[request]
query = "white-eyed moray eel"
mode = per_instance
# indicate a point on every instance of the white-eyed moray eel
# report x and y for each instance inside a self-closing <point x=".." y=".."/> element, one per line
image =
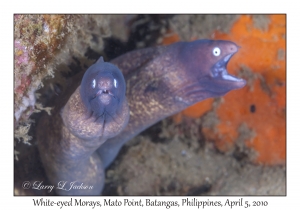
<point x="91" y="122"/>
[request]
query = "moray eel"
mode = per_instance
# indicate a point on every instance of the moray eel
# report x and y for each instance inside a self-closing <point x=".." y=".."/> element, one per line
<point x="95" y="112"/>
<point x="78" y="142"/>
<point x="164" y="80"/>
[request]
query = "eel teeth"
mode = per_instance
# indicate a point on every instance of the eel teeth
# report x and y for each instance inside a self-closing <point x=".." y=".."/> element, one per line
<point x="219" y="70"/>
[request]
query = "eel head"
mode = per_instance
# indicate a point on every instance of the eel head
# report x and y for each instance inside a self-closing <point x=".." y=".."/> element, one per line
<point x="203" y="69"/>
<point x="103" y="90"/>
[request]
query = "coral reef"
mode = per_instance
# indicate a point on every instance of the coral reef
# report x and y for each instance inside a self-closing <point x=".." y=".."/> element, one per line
<point x="246" y="126"/>
<point x="42" y="44"/>
<point x="37" y="39"/>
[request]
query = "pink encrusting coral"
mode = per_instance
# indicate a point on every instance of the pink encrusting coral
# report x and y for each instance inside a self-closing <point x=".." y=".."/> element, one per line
<point x="23" y="81"/>
<point x="39" y="43"/>
<point x="21" y="54"/>
<point x="42" y="43"/>
<point x="36" y="41"/>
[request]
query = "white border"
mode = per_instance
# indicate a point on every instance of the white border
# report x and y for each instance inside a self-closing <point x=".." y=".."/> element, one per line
<point x="154" y="6"/>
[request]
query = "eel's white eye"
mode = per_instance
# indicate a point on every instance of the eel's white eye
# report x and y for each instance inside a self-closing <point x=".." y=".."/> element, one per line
<point x="115" y="83"/>
<point x="216" y="51"/>
<point x="94" y="83"/>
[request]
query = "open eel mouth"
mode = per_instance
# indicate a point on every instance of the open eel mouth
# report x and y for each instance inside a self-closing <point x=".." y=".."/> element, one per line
<point x="104" y="95"/>
<point x="219" y="71"/>
<point x="104" y="91"/>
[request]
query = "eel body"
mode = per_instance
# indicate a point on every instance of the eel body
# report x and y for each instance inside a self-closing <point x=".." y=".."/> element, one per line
<point x="95" y="112"/>
<point x="89" y="126"/>
<point x="164" y="80"/>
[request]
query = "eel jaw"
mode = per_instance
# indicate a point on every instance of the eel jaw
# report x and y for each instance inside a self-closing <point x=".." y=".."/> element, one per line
<point x="219" y="71"/>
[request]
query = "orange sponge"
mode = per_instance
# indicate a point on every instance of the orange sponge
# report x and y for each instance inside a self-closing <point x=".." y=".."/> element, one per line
<point x="261" y="105"/>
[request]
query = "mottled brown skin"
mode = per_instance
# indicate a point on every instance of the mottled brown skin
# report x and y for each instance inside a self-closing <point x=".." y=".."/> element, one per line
<point x="67" y="147"/>
<point x="160" y="82"/>
<point x="164" y="80"/>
